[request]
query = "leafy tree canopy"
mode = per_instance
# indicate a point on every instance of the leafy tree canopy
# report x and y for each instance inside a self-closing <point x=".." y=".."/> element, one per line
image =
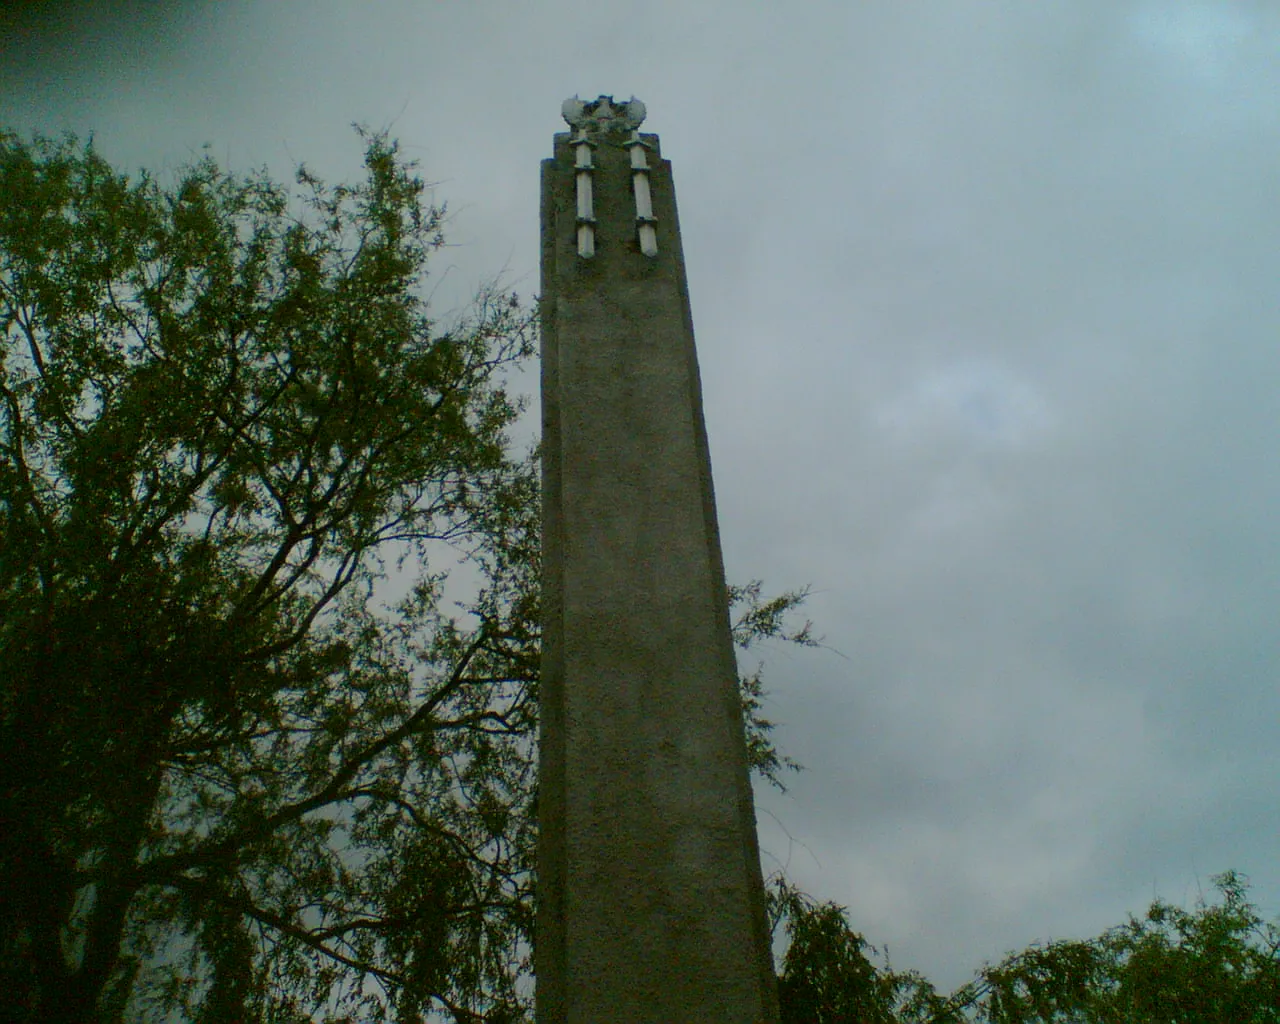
<point x="217" y="415"/>
<point x="234" y="786"/>
<point x="1218" y="963"/>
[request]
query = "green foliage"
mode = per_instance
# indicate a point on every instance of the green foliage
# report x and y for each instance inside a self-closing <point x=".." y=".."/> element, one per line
<point x="765" y="619"/>
<point x="1216" y="964"/>
<point x="826" y="976"/>
<point x="234" y="787"/>
<point x="215" y="415"/>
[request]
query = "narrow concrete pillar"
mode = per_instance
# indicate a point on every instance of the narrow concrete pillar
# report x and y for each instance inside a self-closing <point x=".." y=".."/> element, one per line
<point x="650" y="898"/>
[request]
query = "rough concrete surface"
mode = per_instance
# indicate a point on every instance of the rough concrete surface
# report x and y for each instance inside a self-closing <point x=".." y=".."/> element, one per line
<point x="650" y="899"/>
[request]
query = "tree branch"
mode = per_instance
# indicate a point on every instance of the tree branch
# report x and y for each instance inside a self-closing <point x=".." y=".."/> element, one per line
<point x="168" y="866"/>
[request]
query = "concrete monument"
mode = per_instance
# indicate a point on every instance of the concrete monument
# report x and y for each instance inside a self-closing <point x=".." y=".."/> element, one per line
<point x="650" y="898"/>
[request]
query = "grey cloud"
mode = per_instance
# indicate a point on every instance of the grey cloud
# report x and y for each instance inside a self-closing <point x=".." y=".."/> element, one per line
<point x="985" y="306"/>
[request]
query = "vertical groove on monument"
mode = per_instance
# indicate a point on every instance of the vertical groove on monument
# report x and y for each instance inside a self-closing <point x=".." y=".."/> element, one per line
<point x="650" y="898"/>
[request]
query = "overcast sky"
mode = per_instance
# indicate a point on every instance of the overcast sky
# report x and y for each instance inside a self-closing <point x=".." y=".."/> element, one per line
<point x="986" y="306"/>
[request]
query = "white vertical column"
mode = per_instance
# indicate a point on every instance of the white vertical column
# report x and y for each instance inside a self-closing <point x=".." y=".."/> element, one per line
<point x="645" y="220"/>
<point x="586" y="212"/>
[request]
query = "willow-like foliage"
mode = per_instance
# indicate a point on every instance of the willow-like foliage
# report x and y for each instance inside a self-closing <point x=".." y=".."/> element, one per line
<point x="235" y="786"/>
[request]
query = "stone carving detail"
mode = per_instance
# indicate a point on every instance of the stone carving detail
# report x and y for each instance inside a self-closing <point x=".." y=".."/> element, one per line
<point x="599" y="117"/>
<point x="586" y="211"/>
<point x="645" y="220"/>
<point x="603" y="114"/>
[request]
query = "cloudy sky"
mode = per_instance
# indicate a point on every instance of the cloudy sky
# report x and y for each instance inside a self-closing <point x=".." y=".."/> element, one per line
<point x="986" y="302"/>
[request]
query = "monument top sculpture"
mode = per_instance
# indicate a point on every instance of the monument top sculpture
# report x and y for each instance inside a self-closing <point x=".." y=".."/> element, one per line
<point x="602" y="113"/>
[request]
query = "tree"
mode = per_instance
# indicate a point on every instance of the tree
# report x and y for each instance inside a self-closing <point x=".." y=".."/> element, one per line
<point x="826" y="976"/>
<point x="235" y="788"/>
<point x="1216" y="964"/>
<point x="216" y="419"/>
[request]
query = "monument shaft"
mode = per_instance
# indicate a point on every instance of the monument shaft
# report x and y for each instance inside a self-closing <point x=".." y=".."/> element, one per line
<point x="650" y="899"/>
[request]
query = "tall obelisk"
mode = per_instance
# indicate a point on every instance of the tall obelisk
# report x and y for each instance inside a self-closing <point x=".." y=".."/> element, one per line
<point x="650" y="898"/>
